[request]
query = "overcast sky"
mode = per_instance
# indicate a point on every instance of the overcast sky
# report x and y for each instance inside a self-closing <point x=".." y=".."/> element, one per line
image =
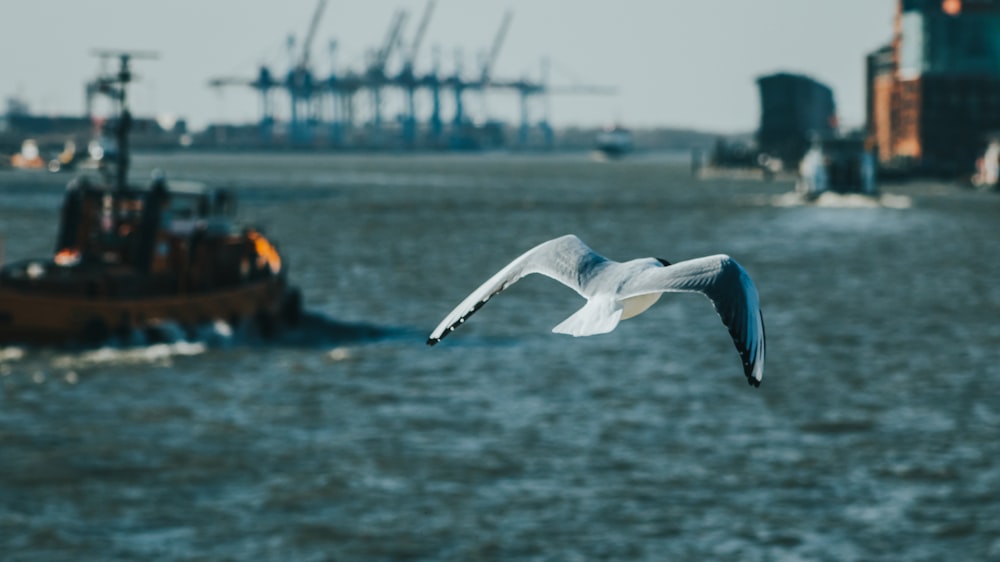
<point x="675" y="63"/>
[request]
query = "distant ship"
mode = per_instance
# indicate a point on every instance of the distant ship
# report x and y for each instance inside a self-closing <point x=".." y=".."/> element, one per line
<point x="614" y="141"/>
<point x="32" y="157"/>
<point x="838" y="165"/>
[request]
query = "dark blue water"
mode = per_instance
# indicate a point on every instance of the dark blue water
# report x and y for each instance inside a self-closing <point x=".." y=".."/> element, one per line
<point x="873" y="437"/>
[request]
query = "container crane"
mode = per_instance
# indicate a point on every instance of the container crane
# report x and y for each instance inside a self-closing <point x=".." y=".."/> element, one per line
<point x="486" y="71"/>
<point x="528" y="90"/>
<point x="265" y="84"/>
<point x="375" y="74"/>
<point x="301" y="84"/>
<point x="309" y="94"/>
<point x="434" y="82"/>
<point x="343" y="88"/>
<point x="490" y="59"/>
<point x="338" y="108"/>
<point x="311" y="34"/>
<point x="485" y="77"/>
<point x="458" y="86"/>
<point x="408" y="79"/>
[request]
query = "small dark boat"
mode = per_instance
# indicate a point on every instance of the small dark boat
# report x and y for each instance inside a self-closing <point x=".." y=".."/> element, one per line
<point x="131" y="258"/>
<point x="614" y="141"/>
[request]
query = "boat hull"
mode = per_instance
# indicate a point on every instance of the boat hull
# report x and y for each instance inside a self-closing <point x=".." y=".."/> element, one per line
<point x="27" y="317"/>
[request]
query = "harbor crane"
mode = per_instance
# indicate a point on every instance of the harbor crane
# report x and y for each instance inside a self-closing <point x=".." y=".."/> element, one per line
<point x="264" y="84"/>
<point x="302" y="86"/>
<point x="375" y="73"/>
<point x="299" y="82"/>
<point x="459" y="85"/>
<point x="433" y="81"/>
<point x="486" y="70"/>
<point x="310" y="93"/>
<point x="529" y="90"/>
<point x="408" y="78"/>
<point x="489" y="59"/>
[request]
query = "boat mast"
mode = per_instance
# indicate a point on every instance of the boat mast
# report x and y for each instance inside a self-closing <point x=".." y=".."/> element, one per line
<point x="116" y="87"/>
<point x="124" y="123"/>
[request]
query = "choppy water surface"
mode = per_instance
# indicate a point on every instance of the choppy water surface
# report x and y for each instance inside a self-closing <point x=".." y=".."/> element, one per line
<point x="873" y="437"/>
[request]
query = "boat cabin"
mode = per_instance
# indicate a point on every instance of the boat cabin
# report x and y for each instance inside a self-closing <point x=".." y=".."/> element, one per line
<point x="147" y="242"/>
<point x="129" y="258"/>
<point x="840" y="165"/>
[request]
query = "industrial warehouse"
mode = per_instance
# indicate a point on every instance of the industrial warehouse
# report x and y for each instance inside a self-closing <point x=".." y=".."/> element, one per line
<point x="933" y="92"/>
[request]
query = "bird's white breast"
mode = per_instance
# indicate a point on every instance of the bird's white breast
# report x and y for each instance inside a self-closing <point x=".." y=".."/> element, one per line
<point x="637" y="305"/>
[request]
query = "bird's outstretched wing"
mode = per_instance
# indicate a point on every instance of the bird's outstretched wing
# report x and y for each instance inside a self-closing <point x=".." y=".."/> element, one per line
<point x="566" y="259"/>
<point x="729" y="287"/>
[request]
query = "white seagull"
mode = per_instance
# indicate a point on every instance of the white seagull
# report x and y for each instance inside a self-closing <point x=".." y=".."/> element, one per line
<point x="618" y="291"/>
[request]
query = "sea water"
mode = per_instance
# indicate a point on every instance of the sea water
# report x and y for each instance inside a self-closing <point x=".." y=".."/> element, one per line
<point x="874" y="435"/>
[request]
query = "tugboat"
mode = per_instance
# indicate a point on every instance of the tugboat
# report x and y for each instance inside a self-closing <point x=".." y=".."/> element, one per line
<point x="131" y="258"/>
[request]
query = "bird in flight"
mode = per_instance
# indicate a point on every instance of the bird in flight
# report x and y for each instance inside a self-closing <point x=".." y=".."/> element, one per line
<point x="616" y="291"/>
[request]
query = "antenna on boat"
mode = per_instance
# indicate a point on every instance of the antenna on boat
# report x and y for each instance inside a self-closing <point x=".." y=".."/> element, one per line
<point x="115" y="86"/>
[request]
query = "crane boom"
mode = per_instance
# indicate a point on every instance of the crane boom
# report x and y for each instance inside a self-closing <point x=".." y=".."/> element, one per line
<point x="118" y="53"/>
<point x="497" y="44"/>
<point x="230" y="81"/>
<point x="391" y="40"/>
<point x="582" y="89"/>
<point x="419" y="37"/>
<point x="307" y="44"/>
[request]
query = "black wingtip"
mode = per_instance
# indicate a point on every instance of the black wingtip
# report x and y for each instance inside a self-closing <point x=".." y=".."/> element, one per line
<point x="753" y="382"/>
<point x="432" y="341"/>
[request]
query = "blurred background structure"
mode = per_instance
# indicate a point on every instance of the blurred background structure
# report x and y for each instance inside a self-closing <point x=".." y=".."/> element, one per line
<point x="933" y="95"/>
<point x="929" y="98"/>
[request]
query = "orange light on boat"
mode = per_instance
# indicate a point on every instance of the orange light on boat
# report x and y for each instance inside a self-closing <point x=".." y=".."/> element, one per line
<point x="952" y="7"/>
<point x="67" y="257"/>
<point x="266" y="251"/>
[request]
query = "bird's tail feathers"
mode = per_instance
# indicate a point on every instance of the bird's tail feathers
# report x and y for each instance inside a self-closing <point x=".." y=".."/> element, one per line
<point x="598" y="316"/>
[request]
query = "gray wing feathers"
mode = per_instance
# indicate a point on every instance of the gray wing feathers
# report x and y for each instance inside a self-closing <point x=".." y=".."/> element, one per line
<point x="732" y="292"/>
<point x="566" y="259"/>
